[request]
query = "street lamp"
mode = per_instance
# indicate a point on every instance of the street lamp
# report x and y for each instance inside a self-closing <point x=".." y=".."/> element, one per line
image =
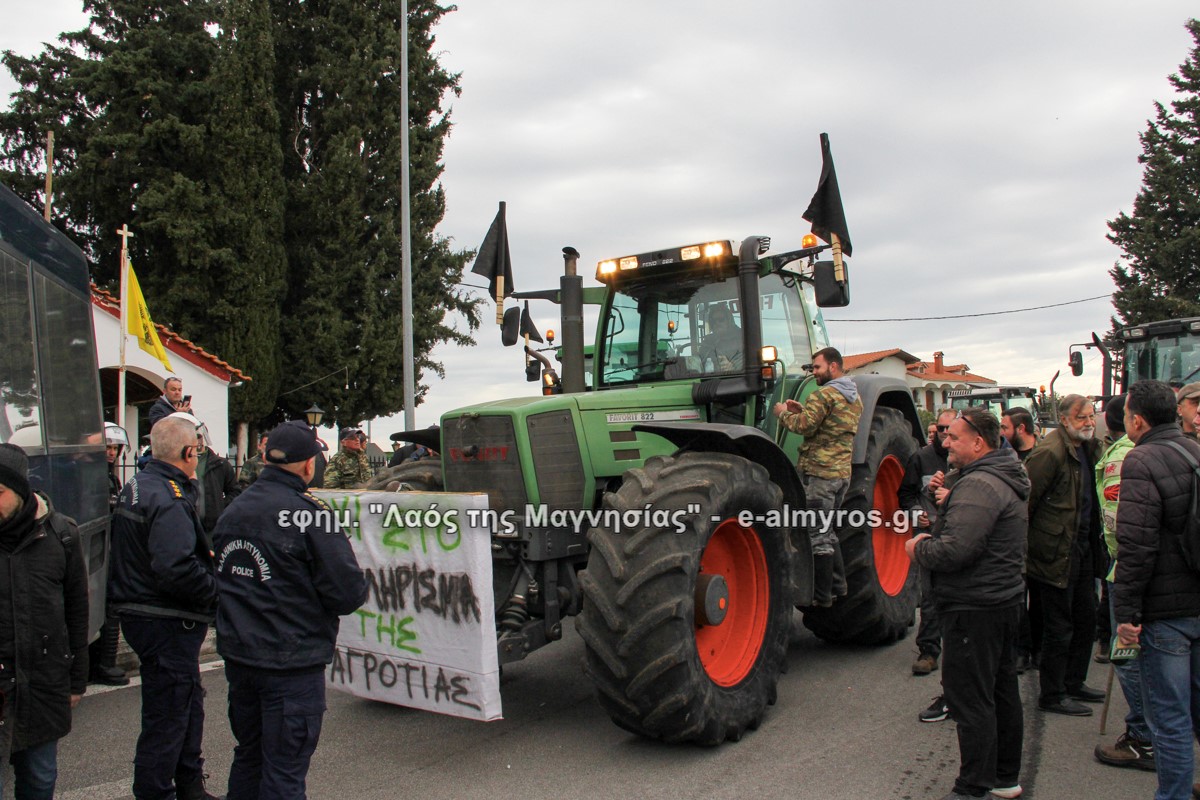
<point x="314" y="415"/>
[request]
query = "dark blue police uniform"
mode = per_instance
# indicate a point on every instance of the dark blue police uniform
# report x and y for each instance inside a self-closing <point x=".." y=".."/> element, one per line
<point x="162" y="586"/>
<point x="284" y="576"/>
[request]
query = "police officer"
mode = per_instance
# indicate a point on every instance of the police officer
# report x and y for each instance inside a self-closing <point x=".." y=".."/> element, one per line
<point x="285" y="573"/>
<point x="161" y="583"/>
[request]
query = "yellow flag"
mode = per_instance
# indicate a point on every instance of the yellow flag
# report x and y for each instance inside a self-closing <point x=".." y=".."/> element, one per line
<point x="139" y="323"/>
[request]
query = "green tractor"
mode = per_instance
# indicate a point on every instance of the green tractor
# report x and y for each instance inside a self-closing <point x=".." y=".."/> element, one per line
<point x="1165" y="350"/>
<point x="659" y="503"/>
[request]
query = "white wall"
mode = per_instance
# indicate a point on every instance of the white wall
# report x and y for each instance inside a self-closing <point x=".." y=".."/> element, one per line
<point x="210" y="394"/>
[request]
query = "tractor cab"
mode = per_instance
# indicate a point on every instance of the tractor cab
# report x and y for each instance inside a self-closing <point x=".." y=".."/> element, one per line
<point x="1167" y="351"/>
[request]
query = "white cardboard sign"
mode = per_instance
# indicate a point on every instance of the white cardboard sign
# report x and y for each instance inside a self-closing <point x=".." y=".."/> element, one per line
<point x="426" y="636"/>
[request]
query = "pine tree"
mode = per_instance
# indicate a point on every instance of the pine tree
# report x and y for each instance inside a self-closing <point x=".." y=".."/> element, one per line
<point x="1159" y="276"/>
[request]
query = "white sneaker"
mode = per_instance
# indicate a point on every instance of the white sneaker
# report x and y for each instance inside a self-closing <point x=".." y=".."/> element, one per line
<point x="1007" y="792"/>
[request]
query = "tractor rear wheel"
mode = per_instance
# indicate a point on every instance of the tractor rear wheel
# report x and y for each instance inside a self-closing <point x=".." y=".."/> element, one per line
<point x="418" y="476"/>
<point x="882" y="594"/>
<point x="686" y="628"/>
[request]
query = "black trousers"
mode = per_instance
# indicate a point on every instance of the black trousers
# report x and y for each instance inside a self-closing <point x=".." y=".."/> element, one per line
<point x="168" y="749"/>
<point x="929" y="633"/>
<point x="979" y="680"/>
<point x="1068" y="629"/>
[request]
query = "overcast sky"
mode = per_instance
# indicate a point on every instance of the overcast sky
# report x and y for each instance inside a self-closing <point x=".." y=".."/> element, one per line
<point x="980" y="147"/>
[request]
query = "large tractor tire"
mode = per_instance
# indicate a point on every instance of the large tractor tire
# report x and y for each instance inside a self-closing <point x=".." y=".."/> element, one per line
<point x="411" y="476"/>
<point x="686" y="630"/>
<point x="883" y="585"/>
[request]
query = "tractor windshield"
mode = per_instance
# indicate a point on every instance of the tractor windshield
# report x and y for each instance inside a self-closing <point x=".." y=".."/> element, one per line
<point x="1167" y="358"/>
<point x="679" y="331"/>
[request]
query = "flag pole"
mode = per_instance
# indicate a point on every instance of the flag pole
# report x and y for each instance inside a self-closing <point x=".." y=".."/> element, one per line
<point x="49" y="175"/>
<point x="125" y="235"/>
<point x="839" y="271"/>
<point x="501" y="252"/>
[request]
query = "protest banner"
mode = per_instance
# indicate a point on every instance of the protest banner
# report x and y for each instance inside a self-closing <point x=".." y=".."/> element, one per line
<point x="426" y="637"/>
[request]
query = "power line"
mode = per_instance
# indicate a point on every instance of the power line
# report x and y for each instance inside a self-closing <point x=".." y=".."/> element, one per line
<point x="982" y="314"/>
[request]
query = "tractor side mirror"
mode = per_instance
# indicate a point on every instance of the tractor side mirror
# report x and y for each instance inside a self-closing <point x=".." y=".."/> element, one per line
<point x="830" y="293"/>
<point x="533" y="372"/>
<point x="510" y="329"/>
<point x="1076" y="362"/>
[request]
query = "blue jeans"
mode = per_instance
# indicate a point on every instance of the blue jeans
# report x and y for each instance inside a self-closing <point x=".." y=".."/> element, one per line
<point x="1129" y="675"/>
<point x="1171" y="698"/>
<point x="36" y="770"/>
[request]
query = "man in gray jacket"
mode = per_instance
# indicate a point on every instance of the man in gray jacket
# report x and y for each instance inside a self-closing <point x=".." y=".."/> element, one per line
<point x="976" y="554"/>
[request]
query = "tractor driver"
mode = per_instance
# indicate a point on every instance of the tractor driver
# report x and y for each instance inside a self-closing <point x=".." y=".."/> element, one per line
<point x="723" y="344"/>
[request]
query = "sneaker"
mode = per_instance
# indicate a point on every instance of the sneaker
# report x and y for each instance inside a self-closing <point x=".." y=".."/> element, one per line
<point x="937" y="711"/>
<point x="925" y="664"/>
<point x="1008" y="792"/>
<point x="1127" y="751"/>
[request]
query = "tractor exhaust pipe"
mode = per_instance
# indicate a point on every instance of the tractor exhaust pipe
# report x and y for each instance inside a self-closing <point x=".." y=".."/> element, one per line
<point x="571" y="299"/>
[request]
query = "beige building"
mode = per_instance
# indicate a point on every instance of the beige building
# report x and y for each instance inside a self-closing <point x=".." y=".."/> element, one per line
<point x="930" y="382"/>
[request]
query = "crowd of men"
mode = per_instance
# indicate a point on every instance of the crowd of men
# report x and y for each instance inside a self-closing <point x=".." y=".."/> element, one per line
<point x="1015" y="532"/>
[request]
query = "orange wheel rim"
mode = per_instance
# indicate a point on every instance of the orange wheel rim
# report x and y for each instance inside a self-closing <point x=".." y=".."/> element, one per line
<point x="891" y="562"/>
<point x="728" y="651"/>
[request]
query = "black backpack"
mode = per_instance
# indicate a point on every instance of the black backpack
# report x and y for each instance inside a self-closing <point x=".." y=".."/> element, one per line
<point x="1189" y="537"/>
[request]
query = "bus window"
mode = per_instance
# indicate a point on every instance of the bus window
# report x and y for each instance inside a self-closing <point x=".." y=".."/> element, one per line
<point x="20" y="418"/>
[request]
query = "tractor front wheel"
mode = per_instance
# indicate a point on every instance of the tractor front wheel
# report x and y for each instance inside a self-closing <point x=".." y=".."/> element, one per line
<point x="685" y="615"/>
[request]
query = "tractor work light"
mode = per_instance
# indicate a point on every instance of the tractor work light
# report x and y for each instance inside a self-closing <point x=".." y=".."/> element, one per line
<point x="610" y="269"/>
<point x="1135" y="333"/>
<point x="769" y="354"/>
<point x="1194" y="326"/>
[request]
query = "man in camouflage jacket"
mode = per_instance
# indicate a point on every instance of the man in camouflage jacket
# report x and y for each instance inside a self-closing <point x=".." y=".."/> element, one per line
<point x="251" y="467"/>
<point x="348" y="468"/>
<point x="827" y="420"/>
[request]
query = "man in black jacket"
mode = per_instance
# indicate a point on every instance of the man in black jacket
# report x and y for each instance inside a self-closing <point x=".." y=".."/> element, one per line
<point x="285" y="574"/>
<point x="976" y="554"/>
<point x="161" y="583"/>
<point x="1156" y="595"/>
<point x="43" y="628"/>
<point x="172" y="400"/>
<point x="923" y="474"/>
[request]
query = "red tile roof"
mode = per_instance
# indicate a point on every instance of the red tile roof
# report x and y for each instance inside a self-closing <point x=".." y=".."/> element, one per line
<point x="862" y="359"/>
<point x="188" y="350"/>
<point x="950" y="372"/>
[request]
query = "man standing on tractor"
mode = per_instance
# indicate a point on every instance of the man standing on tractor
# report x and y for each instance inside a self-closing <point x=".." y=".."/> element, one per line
<point x="828" y="421"/>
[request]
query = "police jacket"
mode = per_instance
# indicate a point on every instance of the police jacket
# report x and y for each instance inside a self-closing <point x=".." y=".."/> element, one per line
<point x="160" y="564"/>
<point x="1057" y="483"/>
<point x="978" y="545"/>
<point x="285" y="573"/>
<point x="43" y="625"/>
<point x="1152" y="579"/>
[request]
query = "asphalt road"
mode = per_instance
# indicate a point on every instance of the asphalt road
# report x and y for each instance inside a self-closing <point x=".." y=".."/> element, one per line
<point x="845" y="727"/>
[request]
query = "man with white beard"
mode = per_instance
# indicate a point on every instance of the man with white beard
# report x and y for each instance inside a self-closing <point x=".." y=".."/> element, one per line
<point x="1065" y="555"/>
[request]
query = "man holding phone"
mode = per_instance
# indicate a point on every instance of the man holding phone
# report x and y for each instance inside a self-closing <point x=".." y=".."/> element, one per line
<point x="172" y="400"/>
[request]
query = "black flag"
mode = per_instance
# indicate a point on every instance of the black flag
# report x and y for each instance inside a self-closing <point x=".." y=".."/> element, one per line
<point x="527" y="326"/>
<point x="493" y="259"/>
<point x="825" y="211"/>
